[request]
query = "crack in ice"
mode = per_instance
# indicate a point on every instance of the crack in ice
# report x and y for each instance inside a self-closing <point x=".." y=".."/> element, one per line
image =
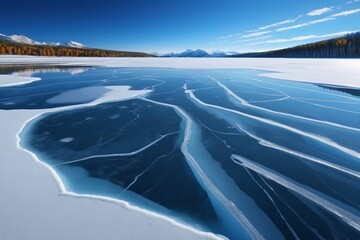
<point x="273" y="202"/>
<point x="143" y="172"/>
<point x="313" y="230"/>
<point x="301" y="155"/>
<point x="318" y="138"/>
<point x="329" y="107"/>
<point x="350" y="216"/>
<point x="116" y="154"/>
<point x="230" y="206"/>
<point x="245" y="103"/>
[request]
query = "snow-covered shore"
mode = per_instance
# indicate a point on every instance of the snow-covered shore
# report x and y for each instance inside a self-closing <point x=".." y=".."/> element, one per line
<point x="344" y="72"/>
<point x="35" y="204"/>
<point x="10" y="80"/>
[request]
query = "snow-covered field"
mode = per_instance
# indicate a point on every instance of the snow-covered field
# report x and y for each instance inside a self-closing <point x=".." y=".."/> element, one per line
<point x="345" y="72"/>
<point x="34" y="203"/>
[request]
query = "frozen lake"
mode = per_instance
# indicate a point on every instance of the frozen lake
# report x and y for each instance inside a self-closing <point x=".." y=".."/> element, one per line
<point x="229" y="151"/>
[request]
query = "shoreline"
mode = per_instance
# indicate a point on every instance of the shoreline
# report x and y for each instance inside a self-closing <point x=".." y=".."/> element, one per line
<point x="154" y="224"/>
<point x="15" y="80"/>
<point x="339" y="72"/>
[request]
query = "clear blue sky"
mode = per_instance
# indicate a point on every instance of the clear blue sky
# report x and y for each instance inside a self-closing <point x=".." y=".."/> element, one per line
<point x="176" y="25"/>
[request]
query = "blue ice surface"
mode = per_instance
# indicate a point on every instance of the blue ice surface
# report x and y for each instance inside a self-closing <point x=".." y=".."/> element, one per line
<point x="305" y="132"/>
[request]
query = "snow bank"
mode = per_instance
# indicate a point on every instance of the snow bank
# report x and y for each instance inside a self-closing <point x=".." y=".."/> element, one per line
<point x="344" y="72"/>
<point x="78" y="95"/>
<point x="10" y="80"/>
<point x="35" y="204"/>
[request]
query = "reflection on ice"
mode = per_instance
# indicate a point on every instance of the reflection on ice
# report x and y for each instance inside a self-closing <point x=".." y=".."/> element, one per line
<point x="28" y="71"/>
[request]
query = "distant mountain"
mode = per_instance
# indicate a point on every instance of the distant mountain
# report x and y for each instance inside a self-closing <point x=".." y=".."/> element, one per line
<point x="198" y="53"/>
<point x="73" y="44"/>
<point x="21" y="45"/>
<point x="66" y="44"/>
<point x="19" y="39"/>
<point x="223" y="53"/>
<point x="347" y="46"/>
<point x="187" y="53"/>
<point x="25" y="40"/>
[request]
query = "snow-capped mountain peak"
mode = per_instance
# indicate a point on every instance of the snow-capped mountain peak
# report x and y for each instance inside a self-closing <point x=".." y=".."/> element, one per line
<point x="25" y="40"/>
<point x="19" y="39"/>
<point x="192" y="53"/>
<point x="73" y="44"/>
<point x="198" y="53"/>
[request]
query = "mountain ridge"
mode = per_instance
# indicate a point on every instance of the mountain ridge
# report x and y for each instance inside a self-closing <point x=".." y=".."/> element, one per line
<point x="347" y="46"/>
<point x="26" y="40"/>
<point x="198" y="53"/>
<point x="14" y="48"/>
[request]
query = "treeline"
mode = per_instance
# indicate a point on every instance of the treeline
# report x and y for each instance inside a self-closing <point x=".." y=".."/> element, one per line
<point x="11" y="48"/>
<point x="347" y="46"/>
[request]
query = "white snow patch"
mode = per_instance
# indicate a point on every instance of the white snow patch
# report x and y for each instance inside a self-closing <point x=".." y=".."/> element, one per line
<point x="66" y="140"/>
<point x="107" y="93"/>
<point x="11" y="80"/>
<point x="114" y="116"/>
<point x="79" y="95"/>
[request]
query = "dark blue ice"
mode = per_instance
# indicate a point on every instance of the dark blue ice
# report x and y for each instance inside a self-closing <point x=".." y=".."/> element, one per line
<point x="225" y="151"/>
